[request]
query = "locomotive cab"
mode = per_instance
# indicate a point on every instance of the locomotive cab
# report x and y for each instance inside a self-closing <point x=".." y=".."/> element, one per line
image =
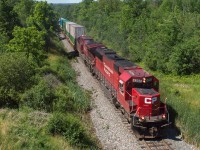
<point x="151" y="113"/>
<point x="141" y="94"/>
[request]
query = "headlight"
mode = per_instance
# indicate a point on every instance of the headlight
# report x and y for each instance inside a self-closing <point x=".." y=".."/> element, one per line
<point x="164" y="116"/>
<point x="144" y="80"/>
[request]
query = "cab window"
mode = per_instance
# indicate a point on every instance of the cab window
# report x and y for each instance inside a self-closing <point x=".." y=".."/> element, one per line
<point x="121" y="86"/>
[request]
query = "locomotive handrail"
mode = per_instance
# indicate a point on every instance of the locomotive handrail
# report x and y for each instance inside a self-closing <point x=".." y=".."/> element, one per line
<point x="129" y="94"/>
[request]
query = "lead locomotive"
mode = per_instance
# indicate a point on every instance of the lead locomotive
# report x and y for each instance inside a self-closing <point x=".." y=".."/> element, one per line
<point x="133" y="89"/>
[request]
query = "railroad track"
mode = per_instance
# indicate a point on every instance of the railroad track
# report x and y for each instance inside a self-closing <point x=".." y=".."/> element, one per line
<point x="155" y="145"/>
<point x="145" y="144"/>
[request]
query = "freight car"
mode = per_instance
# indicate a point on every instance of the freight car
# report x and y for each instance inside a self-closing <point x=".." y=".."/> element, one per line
<point x="71" y="30"/>
<point x="133" y="90"/>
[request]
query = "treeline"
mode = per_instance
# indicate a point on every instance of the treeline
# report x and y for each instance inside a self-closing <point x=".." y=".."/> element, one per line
<point x="41" y="104"/>
<point x="164" y="34"/>
<point x="25" y="27"/>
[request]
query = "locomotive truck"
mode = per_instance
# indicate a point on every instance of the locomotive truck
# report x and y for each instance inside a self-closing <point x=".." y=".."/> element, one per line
<point x="133" y="90"/>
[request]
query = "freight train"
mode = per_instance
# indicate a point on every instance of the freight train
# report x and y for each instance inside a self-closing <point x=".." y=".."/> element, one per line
<point x="133" y="90"/>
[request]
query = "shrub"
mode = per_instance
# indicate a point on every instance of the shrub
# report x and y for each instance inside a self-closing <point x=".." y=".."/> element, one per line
<point x="70" y="127"/>
<point x="65" y="100"/>
<point x="39" y="97"/>
<point x="16" y="75"/>
<point x="63" y="69"/>
<point x="71" y="98"/>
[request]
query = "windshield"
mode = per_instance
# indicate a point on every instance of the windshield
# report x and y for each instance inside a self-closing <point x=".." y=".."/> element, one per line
<point x="143" y="85"/>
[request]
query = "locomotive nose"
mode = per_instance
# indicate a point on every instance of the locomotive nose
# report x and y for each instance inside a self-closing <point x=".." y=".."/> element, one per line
<point x="148" y="101"/>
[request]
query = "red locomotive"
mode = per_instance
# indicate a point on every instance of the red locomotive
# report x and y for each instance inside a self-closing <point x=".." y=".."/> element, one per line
<point x="132" y="88"/>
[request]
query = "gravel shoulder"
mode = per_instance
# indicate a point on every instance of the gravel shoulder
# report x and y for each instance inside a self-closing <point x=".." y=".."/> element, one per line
<point x="109" y="127"/>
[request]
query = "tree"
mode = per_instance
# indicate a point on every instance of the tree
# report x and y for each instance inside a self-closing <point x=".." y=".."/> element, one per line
<point x="185" y="59"/>
<point x="16" y="75"/>
<point x="8" y="18"/>
<point x="24" y="9"/>
<point x="3" y="41"/>
<point x="43" y="17"/>
<point x="28" y="40"/>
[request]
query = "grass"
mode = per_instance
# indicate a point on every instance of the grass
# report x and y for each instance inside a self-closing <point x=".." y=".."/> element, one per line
<point x="26" y="130"/>
<point x="32" y="128"/>
<point x="183" y="100"/>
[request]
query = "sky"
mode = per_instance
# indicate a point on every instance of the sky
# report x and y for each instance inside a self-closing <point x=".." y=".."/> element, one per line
<point x="62" y="1"/>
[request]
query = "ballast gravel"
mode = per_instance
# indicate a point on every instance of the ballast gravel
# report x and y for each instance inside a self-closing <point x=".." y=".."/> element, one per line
<point x="109" y="127"/>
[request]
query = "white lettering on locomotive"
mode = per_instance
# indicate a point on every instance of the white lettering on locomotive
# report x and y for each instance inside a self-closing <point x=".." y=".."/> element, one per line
<point x="137" y="80"/>
<point x="107" y="69"/>
<point x="148" y="100"/>
<point x="107" y="72"/>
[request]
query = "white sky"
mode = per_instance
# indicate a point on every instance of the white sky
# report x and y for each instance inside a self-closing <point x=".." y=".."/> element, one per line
<point x="62" y="1"/>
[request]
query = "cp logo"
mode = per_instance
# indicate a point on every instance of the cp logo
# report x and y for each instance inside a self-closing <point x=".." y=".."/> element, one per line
<point x="150" y="100"/>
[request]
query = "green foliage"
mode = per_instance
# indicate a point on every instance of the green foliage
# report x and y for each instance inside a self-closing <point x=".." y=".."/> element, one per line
<point x="28" y="40"/>
<point x="71" y="98"/>
<point x="16" y="75"/>
<point x="43" y="17"/>
<point x="153" y="32"/>
<point x="3" y="41"/>
<point x="39" y="97"/>
<point x="71" y="128"/>
<point x="64" y="72"/>
<point x="25" y="131"/>
<point x="24" y="8"/>
<point x="185" y="59"/>
<point x="8" y="18"/>
<point x="29" y="81"/>
<point x="184" y="104"/>
<point x="65" y="100"/>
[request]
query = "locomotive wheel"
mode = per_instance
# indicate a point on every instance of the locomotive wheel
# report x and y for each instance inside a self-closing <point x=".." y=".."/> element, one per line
<point x="122" y="111"/>
<point x="132" y="122"/>
<point x="115" y="103"/>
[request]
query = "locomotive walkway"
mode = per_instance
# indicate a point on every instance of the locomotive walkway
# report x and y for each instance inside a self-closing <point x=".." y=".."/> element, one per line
<point x="108" y="124"/>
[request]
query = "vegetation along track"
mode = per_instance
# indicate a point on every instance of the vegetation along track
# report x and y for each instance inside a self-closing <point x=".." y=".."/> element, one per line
<point x="110" y="132"/>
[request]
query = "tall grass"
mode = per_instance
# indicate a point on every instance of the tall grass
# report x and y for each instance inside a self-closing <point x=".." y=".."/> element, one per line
<point x="183" y="99"/>
<point x="25" y="130"/>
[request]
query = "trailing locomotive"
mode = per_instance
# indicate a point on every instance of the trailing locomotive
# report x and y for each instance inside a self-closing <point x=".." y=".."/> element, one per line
<point x="133" y="90"/>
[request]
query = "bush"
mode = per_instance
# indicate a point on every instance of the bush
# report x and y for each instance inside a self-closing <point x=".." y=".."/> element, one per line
<point x="70" y="127"/>
<point x="65" y="100"/>
<point x="16" y="75"/>
<point x="20" y="131"/>
<point x="63" y="69"/>
<point x="71" y="98"/>
<point x="185" y="59"/>
<point x="39" y="97"/>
